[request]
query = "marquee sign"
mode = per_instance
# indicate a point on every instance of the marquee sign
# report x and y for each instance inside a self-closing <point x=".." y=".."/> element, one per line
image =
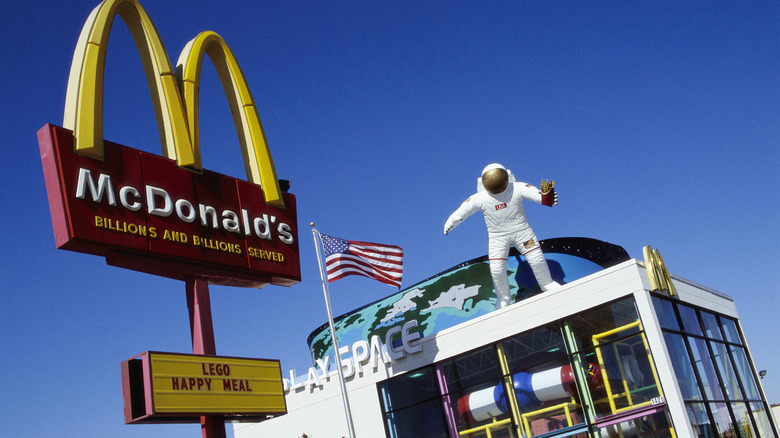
<point x="166" y="387"/>
<point x="166" y="215"/>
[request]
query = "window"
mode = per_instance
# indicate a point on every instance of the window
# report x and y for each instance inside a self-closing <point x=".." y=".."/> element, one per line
<point x="412" y="405"/>
<point x="746" y="375"/>
<point x="711" y="326"/>
<point x="730" y="328"/>
<point x="707" y="374"/>
<point x="714" y="373"/>
<point x="476" y="394"/>
<point x="544" y="381"/>
<point x="609" y="322"/>
<point x="700" y="420"/>
<point x="690" y="320"/>
<point x="761" y="416"/>
<point x="612" y="336"/>
<point x="667" y="317"/>
<point x="653" y="424"/>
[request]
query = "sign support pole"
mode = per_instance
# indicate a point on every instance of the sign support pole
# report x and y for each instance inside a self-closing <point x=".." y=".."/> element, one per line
<point x="202" y="331"/>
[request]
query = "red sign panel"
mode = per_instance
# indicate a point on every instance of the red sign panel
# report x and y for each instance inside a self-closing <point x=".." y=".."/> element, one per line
<point x="141" y="211"/>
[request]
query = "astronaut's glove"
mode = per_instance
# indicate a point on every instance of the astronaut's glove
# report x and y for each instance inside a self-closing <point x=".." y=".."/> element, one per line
<point x="549" y="195"/>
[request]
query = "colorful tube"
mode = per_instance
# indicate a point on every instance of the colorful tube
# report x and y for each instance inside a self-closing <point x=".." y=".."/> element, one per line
<point x="483" y="404"/>
<point x="534" y="389"/>
<point x="531" y="390"/>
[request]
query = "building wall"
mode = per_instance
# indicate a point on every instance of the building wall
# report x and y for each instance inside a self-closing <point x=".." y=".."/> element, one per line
<point x="320" y="413"/>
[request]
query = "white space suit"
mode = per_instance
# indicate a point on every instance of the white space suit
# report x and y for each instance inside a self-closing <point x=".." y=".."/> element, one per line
<point x="500" y="199"/>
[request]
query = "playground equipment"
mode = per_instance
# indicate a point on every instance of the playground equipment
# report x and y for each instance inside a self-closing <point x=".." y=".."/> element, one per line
<point x="531" y="391"/>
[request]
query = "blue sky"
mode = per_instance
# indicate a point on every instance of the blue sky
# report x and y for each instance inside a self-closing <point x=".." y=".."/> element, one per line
<point x="658" y="120"/>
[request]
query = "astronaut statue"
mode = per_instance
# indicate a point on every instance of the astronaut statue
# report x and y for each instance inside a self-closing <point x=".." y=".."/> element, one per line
<point x="501" y="200"/>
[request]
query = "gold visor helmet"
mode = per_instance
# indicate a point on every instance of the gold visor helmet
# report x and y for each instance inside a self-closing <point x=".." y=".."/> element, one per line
<point x="495" y="178"/>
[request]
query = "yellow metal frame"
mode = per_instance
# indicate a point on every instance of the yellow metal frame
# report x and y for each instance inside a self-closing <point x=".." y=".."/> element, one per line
<point x="509" y="389"/>
<point x="566" y="409"/>
<point x="487" y="429"/>
<point x="612" y="396"/>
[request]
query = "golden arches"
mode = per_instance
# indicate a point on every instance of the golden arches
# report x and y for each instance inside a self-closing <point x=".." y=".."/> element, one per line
<point x="84" y="100"/>
<point x="254" y="147"/>
<point x="656" y="271"/>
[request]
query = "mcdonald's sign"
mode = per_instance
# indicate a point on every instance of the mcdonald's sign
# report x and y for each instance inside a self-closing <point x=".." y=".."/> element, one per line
<point x="166" y="215"/>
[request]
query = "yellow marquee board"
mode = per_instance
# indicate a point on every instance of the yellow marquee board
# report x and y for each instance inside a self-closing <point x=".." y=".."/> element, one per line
<point x="163" y="386"/>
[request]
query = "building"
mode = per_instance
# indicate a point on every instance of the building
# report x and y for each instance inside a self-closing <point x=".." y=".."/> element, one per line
<point x="605" y="355"/>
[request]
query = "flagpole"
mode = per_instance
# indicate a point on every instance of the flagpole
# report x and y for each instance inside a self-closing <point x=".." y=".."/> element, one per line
<point x="323" y="277"/>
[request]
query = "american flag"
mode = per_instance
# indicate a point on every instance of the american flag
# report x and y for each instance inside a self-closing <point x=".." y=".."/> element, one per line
<point x="348" y="257"/>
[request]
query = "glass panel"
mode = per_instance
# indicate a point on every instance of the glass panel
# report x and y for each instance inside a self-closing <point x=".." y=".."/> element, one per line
<point x="711" y="326"/>
<point x="534" y="348"/>
<point x="744" y="426"/>
<point x="594" y="378"/>
<point x="730" y="327"/>
<point x="664" y="309"/>
<point x="543" y="381"/>
<point x="689" y="319"/>
<point x="605" y="323"/>
<point x="425" y="419"/>
<point x="410" y="388"/>
<point x="723" y="421"/>
<point x="630" y="380"/>
<point x="763" y="425"/>
<point x="599" y="394"/>
<point x="745" y="373"/>
<point x="727" y="375"/>
<point x="655" y="425"/>
<point x="471" y="369"/>
<point x="476" y="394"/>
<point x="683" y="368"/>
<point x="703" y="361"/>
<point x="700" y="420"/>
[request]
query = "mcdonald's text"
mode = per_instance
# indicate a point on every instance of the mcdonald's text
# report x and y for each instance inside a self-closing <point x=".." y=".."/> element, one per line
<point x="134" y="202"/>
<point x="160" y="203"/>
